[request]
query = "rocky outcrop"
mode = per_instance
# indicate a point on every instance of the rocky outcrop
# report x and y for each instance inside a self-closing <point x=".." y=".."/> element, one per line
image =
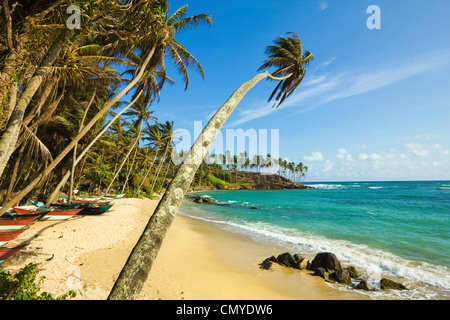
<point x="327" y="266"/>
<point x="326" y="260"/>
<point x="287" y="260"/>
<point x="389" y="284"/>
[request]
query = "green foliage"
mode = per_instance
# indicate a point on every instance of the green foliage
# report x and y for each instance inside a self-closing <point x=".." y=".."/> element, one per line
<point x="216" y="182"/>
<point x="24" y="285"/>
<point x="226" y="176"/>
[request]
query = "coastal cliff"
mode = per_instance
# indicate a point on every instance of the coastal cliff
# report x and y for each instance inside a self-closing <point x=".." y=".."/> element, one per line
<point x="241" y="180"/>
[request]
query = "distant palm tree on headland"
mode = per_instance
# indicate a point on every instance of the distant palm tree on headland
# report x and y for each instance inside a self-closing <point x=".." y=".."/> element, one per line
<point x="288" y="57"/>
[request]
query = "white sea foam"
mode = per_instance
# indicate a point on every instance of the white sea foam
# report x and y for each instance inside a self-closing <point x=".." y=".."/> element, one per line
<point x="327" y="186"/>
<point x="375" y="263"/>
<point x="375" y="187"/>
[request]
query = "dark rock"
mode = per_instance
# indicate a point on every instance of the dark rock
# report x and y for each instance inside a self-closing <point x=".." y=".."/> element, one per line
<point x="298" y="257"/>
<point x="343" y="276"/>
<point x="353" y="273"/>
<point x="265" y="265"/>
<point x="253" y="208"/>
<point x="365" y="284"/>
<point x="204" y="200"/>
<point x="287" y="260"/>
<point x="273" y="259"/>
<point x="325" y="260"/>
<point x="389" y="284"/>
<point x="321" y="272"/>
<point x="304" y="264"/>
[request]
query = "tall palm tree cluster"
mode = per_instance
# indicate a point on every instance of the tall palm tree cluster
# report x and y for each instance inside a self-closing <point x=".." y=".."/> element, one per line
<point x="217" y="164"/>
<point x="62" y="115"/>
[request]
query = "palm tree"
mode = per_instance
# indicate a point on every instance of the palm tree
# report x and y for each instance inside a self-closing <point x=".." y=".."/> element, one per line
<point x="156" y="37"/>
<point x="139" y="263"/>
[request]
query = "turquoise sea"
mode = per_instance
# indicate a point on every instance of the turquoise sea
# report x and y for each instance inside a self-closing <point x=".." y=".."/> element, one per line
<point x="396" y="229"/>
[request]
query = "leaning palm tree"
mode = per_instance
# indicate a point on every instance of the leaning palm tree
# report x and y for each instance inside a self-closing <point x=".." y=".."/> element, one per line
<point x="140" y="261"/>
<point x="153" y="43"/>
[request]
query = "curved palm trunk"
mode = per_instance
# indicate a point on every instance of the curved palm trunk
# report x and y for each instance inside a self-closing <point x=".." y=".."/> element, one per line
<point x="148" y="171"/>
<point x="89" y="146"/>
<point x="11" y="134"/>
<point x="74" y="156"/>
<point x="80" y="135"/>
<point x="140" y="261"/>
<point x="159" y="169"/>
<point x="122" y="164"/>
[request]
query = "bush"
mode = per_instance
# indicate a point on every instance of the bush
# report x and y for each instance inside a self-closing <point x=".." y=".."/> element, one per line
<point x="24" y="286"/>
<point x="216" y="182"/>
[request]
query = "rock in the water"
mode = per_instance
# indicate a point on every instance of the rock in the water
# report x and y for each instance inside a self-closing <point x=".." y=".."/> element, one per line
<point x="389" y="284"/>
<point x="321" y="272"/>
<point x="326" y="260"/>
<point x="265" y="265"/>
<point x="304" y="264"/>
<point x="365" y="284"/>
<point x="353" y="273"/>
<point x="287" y="260"/>
<point x="343" y="276"/>
<point x="273" y="259"/>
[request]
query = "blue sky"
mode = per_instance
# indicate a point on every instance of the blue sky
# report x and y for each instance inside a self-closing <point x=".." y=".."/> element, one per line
<point x="374" y="105"/>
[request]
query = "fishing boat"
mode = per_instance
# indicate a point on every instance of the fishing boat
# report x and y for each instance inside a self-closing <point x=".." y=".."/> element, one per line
<point x="61" y="214"/>
<point x="37" y="203"/>
<point x="26" y="211"/>
<point x="12" y="222"/>
<point x="94" y="210"/>
<point x="6" y="253"/>
<point x="7" y="236"/>
<point x="114" y="196"/>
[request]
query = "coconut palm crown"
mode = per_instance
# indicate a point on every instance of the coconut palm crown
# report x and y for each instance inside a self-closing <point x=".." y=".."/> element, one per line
<point x="287" y="55"/>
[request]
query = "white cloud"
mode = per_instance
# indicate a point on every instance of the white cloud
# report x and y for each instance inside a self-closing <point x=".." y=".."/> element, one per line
<point x="445" y="152"/>
<point x="322" y="88"/>
<point x="323" y="5"/>
<point x="315" y="156"/>
<point x="343" y="155"/>
<point x="417" y="149"/>
<point x="328" y="166"/>
<point x="373" y="156"/>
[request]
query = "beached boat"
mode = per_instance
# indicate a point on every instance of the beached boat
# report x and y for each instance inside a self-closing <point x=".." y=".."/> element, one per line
<point x="36" y="210"/>
<point x="114" y="196"/>
<point x="7" y="236"/>
<point x="94" y="210"/>
<point x="61" y="214"/>
<point x="15" y="222"/>
<point x="37" y="203"/>
<point x="6" y="253"/>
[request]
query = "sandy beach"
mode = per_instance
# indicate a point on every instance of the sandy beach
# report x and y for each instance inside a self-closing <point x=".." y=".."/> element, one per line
<point x="198" y="261"/>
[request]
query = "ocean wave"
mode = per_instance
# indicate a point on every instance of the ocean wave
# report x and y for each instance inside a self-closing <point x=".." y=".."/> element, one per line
<point x="376" y="263"/>
<point x="374" y="188"/>
<point x="327" y="186"/>
<point x="444" y="188"/>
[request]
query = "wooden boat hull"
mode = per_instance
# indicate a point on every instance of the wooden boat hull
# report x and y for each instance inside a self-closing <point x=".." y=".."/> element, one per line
<point x="7" y="236"/>
<point x="58" y="215"/>
<point x="29" y="211"/>
<point x="95" y="210"/>
<point x="6" y="253"/>
<point x="16" y="222"/>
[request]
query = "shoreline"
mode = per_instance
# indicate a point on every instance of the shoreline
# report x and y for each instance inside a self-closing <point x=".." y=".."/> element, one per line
<point x="87" y="254"/>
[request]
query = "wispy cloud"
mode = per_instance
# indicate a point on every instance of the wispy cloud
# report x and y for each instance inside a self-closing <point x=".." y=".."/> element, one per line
<point x="323" y="5"/>
<point x="323" y="88"/>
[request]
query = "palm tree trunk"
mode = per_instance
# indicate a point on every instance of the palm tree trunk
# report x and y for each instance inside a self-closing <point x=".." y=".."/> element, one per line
<point x="123" y="163"/>
<point x="159" y="168"/>
<point x="139" y="263"/>
<point x="71" y="145"/>
<point x="11" y="134"/>
<point x="74" y="156"/>
<point x="148" y="171"/>
<point x="89" y="146"/>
